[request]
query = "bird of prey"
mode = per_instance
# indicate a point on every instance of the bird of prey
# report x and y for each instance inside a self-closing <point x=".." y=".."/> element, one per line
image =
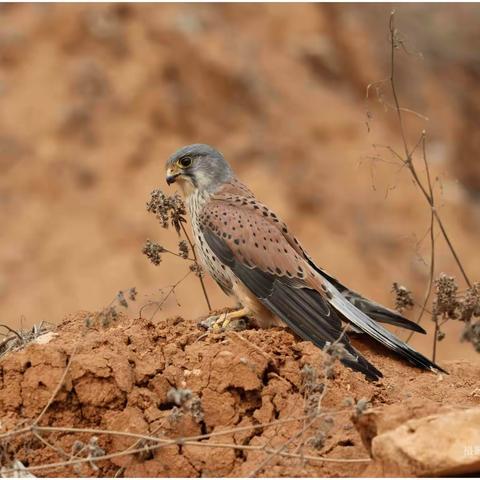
<point x="254" y="257"/>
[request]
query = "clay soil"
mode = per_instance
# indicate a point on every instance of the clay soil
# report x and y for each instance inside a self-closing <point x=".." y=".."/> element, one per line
<point x="256" y="385"/>
<point x="96" y="97"/>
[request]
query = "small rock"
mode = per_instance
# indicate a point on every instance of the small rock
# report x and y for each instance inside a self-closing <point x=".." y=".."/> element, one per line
<point x="437" y="445"/>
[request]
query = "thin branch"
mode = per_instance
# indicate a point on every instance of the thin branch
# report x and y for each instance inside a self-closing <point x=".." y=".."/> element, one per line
<point x="90" y="460"/>
<point x="408" y="156"/>
<point x="452" y="249"/>
<point x="164" y="299"/>
<point x="435" y="338"/>
<point x="166" y="250"/>
<point x="284" y="454"/>
<point x="181" y="440"/>
<point x="79" y="461"/>
<point x="162" y="442"/>
<point x="306" y="426"/>
<point x="38" y="428"/>
<point x="11" y="330"/>
<point x="279" y="451"/>
<point x="432" y="241"/>
<point x="51" y="446"/>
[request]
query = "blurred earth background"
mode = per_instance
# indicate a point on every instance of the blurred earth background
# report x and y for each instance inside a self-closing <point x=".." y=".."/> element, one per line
<point x="94" y="98"/>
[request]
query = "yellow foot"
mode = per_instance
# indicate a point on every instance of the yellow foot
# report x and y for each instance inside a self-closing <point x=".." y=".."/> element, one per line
<point x="223" y="320"/>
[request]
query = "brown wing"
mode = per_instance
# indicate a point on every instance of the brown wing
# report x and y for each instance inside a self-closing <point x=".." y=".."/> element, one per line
<point x="250" y="239"/>
<point x="286" y="280"/>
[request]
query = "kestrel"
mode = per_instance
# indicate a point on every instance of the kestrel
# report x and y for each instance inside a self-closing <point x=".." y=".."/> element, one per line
<point x="254" y="257"/>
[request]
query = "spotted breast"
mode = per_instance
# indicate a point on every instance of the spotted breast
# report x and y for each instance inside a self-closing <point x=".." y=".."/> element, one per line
<point x="223" y="276"/>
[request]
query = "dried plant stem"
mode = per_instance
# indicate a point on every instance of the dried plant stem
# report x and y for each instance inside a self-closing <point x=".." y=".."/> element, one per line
<point x="280" y="450"/>
<point x="90" y="460"/>
<point x="426" y="191"/>
<point x="192" y="248"/>
<point x="160" y="304"/>
<point x="321" y="459"/>
<point x="435" y="338"/>
<point x="162" y="442"/>
<point x="177" y="255"/>
<point x="306" y="425"/>
<point x="432" y="244"/>
<point x="408" y="156"/>
<point x="452" y="249"/>
<point x="50" y="445"/>
<point x="31" y="428"/>
<point x="11" y="330"/>
<point x="284" y="454"/>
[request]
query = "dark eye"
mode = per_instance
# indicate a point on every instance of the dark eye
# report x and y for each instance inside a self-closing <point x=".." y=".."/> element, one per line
<point x="185" y="162"/>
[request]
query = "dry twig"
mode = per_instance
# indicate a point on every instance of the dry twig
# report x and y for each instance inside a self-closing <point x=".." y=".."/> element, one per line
<point x="171" y="210"/>
<point x="425" y="185"/>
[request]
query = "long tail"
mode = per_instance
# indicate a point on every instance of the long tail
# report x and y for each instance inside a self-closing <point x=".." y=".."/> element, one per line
<point x="376" y="331"/>
<point x="374" y="310"/>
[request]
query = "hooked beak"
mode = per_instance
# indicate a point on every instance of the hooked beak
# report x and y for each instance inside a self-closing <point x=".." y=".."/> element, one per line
<point x="171" y="176"/>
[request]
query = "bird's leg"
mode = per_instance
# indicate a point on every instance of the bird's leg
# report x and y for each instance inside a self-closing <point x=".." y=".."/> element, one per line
<point x="219" y="322"/>
<point x="224" y="320"/>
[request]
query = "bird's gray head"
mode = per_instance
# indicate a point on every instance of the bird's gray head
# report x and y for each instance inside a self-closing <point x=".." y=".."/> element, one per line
<point x="198" y="167"/>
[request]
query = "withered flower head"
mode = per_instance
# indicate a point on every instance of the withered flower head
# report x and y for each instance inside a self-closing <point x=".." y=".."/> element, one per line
<point x="153" y="251"/>
<point x="167" y="209"/>
<point x="403" y="297"/>
<point x="445" y="302"/>
<point x="183" y="249"/>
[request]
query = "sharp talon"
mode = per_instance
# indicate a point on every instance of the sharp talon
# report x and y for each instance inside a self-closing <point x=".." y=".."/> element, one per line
<point x="226" y="323"/>
<point x="216" y="327"/>
<point x="236" y="321"/>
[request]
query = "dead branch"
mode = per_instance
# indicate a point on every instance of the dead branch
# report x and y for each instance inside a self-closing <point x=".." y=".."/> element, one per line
<point x="394" y="44"/>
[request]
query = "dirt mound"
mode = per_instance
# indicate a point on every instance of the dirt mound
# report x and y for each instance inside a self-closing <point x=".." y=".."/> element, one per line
<point x="95" y="97"/>
<point x="169" y="380"/>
